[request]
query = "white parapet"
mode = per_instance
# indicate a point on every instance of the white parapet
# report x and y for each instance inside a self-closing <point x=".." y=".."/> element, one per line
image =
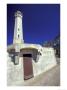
<point x="46" y="61"/>
<point x="15" y="74"/>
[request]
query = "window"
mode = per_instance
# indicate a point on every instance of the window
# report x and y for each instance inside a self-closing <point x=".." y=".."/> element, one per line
<point x="18" y="29"/>
<point x="18" y="35"/>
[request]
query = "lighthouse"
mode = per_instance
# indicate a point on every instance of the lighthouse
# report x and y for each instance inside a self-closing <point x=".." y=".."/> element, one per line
<point x="18" y="29"/>
<point x="18" y="35"/>
<point x="26" y="60"/>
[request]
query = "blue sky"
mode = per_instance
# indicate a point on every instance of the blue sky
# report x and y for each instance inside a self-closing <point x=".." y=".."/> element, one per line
<point x="41" y="22"/>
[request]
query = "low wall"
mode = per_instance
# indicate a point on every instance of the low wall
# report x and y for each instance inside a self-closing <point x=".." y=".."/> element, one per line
<point x="15" y="73"/>
<point x="46" y="61"/>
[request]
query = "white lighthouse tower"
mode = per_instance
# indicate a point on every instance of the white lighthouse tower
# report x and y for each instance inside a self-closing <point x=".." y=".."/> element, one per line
<point x="18" y="32"/>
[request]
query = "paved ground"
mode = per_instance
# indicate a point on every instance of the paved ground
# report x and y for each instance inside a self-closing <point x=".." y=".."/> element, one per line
<point x="50" y="78"/>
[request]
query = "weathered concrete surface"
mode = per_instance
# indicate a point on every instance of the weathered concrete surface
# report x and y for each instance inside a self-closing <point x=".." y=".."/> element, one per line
<point x="49" y="78"/>
<point x="14" y="73"/>
<point x="46" y="61"/>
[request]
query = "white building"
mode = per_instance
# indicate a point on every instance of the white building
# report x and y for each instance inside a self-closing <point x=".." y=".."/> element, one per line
<point x="25" y="61"/>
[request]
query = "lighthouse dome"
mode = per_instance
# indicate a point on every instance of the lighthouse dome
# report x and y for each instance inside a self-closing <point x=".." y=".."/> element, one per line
<point x="18" y="14"/>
